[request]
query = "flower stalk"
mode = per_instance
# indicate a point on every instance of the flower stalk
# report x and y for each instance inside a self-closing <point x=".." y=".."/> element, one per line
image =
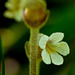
<point x="35" y="17"/>
<point x="33" y="50"/>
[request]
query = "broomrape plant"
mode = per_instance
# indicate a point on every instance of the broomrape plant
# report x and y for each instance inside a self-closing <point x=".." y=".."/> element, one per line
<point x="40" y="46"/>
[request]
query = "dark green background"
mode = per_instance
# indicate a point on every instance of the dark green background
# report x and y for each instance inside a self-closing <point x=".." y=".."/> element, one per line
<point x="61" y="19"/>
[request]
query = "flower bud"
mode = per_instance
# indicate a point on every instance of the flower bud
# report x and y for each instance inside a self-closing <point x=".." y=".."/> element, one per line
<point x="35" y="14"/>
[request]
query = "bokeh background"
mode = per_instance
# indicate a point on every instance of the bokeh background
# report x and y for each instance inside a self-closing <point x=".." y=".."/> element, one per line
<point x="14" y="35"/>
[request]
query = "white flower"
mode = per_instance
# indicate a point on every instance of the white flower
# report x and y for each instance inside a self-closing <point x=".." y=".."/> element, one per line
<point x="15" y="9"/>
<point x="52" y="48"/>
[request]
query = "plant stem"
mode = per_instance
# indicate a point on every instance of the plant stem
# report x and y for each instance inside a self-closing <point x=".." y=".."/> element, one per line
<point x="38" y="67"/>
<point x="2" y="57"/>
<point x="33" y="50"/>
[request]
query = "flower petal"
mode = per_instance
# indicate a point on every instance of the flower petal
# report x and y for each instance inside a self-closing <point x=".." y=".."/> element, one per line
<point x="42" y="42"/>
<point x="9" y="5"/>
<point x="18" y="15"/>
<point x="56" y="37"/>
<point x="62" y="48"/>
<point x="45" y="57"/>
<point x="39" y="36"/>
<point x="56" y="58"/>
<point x="8" y="14"/>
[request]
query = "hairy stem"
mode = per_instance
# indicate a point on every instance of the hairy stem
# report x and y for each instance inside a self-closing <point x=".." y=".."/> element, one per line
<point x="33" y="50"/>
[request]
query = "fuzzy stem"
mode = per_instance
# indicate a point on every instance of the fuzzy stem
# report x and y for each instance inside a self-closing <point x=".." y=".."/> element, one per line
<point x="33" y="50"/>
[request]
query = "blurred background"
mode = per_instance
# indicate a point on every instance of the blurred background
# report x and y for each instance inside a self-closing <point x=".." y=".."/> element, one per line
<point x="14" y="34"/>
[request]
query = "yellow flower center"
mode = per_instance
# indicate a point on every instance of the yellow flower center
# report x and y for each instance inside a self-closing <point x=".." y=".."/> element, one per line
<point x="49" y="48"/>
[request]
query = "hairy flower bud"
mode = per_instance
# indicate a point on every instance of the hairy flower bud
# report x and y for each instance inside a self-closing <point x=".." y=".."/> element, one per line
<point x="35" y="14"/>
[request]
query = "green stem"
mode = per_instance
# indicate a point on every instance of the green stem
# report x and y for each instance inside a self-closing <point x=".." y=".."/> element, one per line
<point x="2" y="57"/>
<point x="38" y="67"/>
<point x="33" y="50"/>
